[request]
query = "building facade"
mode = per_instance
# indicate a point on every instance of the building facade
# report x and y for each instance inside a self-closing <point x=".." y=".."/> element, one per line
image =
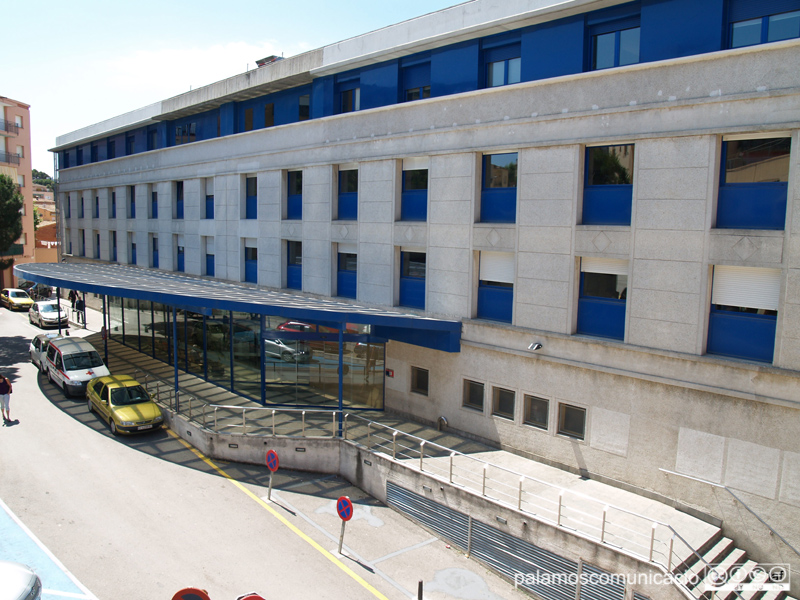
<point x="15" y="161"/>
<point x="605" y="194"/>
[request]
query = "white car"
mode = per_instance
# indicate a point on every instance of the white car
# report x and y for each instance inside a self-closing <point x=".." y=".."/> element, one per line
<point x="38" y="349"/>
<point x="19" y="582"/>
<point x="48" y="313"/>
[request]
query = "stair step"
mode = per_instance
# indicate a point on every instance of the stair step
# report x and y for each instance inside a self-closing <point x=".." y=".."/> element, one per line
<point x="740" y="575"/>
<point x="734" y="559"/>
<point x="692" y="559"/>
<point x="713" y="555"/>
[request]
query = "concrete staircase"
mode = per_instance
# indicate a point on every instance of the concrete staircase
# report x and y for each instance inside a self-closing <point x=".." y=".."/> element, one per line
<point x="723" y="562"/>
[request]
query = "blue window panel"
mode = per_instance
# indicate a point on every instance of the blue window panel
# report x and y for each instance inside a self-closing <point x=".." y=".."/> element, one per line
<point x="251" y="207"/>
<point x="181" y="262"/>
<point x="607" y="204"/>
<point x="179" y="209"/>
<point x="114" y="254"/>
<point x="294" y="277"/>
<point x="741" y="335"/>
<point x="416" y="81"/>
<point x="495" y="302"/>
<point x="602" y="317"/>
<point x="294" y="206"/>
<point x="209" y="207"/>
<point x="133" y="254"/>
<point x="379" y="85"/>
<point x="499" y="205"/>
<point x="210" y="265"/>
<point x="96" y="207"/>
<point x="412" y="292"/>
<point x="758" y="22"/>
<point x="346" y="283"/>
<point x="681" y="28"/>
<point x="133" y="209"/>
<point x="154" y="206"/>
<point x="414" y="205"/>
<point x="348" y="206"/>
<point x="752" y="206"/>
<point x="113" y="205"/>
<point x="251" y="271"/>
<point x="455" y="69"/>
<point x="155" y="259"/>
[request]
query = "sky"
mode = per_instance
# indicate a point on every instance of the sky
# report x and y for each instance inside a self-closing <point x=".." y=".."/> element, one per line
<point x="78" y="63"/>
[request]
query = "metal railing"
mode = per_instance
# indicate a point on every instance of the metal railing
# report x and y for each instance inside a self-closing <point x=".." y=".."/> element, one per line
<point x="8" y="126"/>
<point x="8" y="157"/>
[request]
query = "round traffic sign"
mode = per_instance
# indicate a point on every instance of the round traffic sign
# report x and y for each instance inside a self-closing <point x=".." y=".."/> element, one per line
<point x="191" y="594"/>
<point x="272" y="460"/>
<point x="345" y="508"/>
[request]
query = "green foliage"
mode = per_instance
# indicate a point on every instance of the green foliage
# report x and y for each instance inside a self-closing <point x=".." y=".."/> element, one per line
<point x="37" y="219"/>
<point x="42" y="178"/>
<point x="11" y="202"/>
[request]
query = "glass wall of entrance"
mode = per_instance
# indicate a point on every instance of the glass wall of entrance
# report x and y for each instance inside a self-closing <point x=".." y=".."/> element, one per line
<point x="268" y="359"/>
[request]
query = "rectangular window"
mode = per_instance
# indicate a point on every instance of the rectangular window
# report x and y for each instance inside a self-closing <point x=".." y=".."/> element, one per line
<point x="94" y="153"/>
<point x="114" y="246"/>
<point x="414" y="198"/>
<point x="152" y="139"/>
<point x="350" y="100"/>
<point x="502" y="63"/>
<point x="347" y="271"/>
<point x="602" y="298"/>
<point x="154" y="255"/>
<point x="96" y="213"/>
<point x="615" y="48"/>
<point x="753" y="184"/>
<point x="764" y="29"/>
<point x="416" y="81"/>
<point x="348" y="195"/>
<point x="503" y="403"/>
<point x="294" y="267"/>
<point x="111" y="149"/>
<point x="496" y="286"/>
<point x="419" y="381"/>
<point x="412" y="279"/>
<point x="744" y="312"/>
<point x="80" y="156"/>
<point x="251" y="264"/>
<point x="294" y="199"/>
<point x="251" y="198"/>
<point x="21" y="151"/>
<point x="81" y="212"/>
<point x="248" y="119"/>
<point x="209" y="195"/>
<point x="153" y="205"/>
<point x="304" y="109"/>
<point x="97" y="244"/>
<point x="131" y="202"/>
<point x="178" y="199"/>
<point x="208" y="246"/>
<point x="499" y="189"/>
<point x="130" y="145"/>
<point x="473" y="395"/>
<point x="68" y="207"/>
<point x="185" y="133"/>
<point x="571" y="421"/>
<point x="132" y="260"/>
<point x="181" y="265"/>
<point x="269" y="115"/>
<point x="608" y="189"/>
<point x="537" y="412"/>
<point x="209" y="264"/>
<point x="113" y="208"/>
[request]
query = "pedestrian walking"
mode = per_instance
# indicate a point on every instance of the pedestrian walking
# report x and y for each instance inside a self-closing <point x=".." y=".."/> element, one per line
<point x="80" y="309"/>
<point x="5" y="398"/>
<point x="73" y="295"/>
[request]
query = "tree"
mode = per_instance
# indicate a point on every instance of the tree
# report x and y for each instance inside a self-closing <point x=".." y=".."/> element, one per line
<point x="11" y="202"/>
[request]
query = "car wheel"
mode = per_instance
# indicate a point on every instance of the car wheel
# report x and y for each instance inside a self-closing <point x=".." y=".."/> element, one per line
<point x="89" y="405"/>
<point x="112" y="426"/>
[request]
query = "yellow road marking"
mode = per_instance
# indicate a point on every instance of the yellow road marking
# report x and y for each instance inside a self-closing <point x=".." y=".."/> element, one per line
<point x="279" y="516"/>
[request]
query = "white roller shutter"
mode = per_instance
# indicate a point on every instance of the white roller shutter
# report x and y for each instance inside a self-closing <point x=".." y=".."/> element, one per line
<point x="749" y="287"/>
<point x="210" y="245"/>
<point x="417" y="163"/>
<point x="611" y="266"/>
<point x="347" y="248"/>
<point x="348" y="167"/>
<point x="497" y="266"/>
<point x="210" y="186"/>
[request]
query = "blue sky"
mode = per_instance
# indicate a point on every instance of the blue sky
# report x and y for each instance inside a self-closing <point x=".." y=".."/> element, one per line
<point x="77" y="63"/>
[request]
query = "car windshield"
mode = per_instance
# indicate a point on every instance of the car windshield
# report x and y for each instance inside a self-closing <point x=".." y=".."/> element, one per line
<point x="124" y="396"/>
<point x="48" y="308"/>
<point x="18" y="295"/>
<point x="82" y="360"/>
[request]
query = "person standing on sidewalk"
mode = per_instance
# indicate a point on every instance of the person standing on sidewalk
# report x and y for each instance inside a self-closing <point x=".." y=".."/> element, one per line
<point x="5" y="398"/>
<point x="80" y="311"/>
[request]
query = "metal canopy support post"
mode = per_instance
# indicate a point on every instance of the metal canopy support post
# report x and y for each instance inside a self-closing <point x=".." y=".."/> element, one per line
<point x="341" y="388"/>
<point x="105" y="329"/>
<point x="175" y="348"/>
<point x="58" y="299"/>
<point x="263" y="351"/>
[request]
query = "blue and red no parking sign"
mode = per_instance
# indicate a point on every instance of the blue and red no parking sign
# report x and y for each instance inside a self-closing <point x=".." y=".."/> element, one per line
<point x="344" y="508"/>
<point x="272" y="460"/>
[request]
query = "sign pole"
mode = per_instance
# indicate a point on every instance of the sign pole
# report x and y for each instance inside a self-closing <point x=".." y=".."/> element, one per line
<point x="344" y="508"/>
<point x="272" y="465"/>
<point x="341" y="537"/>
<point x="269" y="493"/>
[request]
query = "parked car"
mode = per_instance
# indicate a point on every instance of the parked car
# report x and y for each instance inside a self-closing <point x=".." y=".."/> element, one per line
<point x="71" y="363"/>
<point x="19" y="582"/>
<point x="36" y="290"/>
<point x="48" y="313"/>
<point x="37" y="349"/>
<point x="15" y="299"/>
<point x="288" y="350"/>
<point x="124" y="404"/>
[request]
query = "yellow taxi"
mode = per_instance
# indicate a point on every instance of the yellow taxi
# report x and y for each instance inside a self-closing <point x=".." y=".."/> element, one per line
<point x="14" y="299"/>
<point x="124" y="404"/>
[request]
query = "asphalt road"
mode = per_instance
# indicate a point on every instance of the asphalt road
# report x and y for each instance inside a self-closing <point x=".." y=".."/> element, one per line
<point x="142" y="517"/>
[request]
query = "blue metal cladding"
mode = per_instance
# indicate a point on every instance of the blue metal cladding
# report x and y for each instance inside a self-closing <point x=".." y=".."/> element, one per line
<point x="251" y="271"/>
<point x="740" y="10"/>
<point x="499" y="205"/>
<point x="155" y="259"/>
<point x="209" y="207"/>
<point x="294" y="277"/>
<point x="346" y="283"/>
<point x="414" y="205"/>
<point x="602" y="317"/>
<point x="752" y="206"/>
<point x="495" y="302"/>
<point x="251" y="207"/>
<point x="412" y="292"/>
<point x="681" y="28"/>
<point x="379" y="85"/>
<point x="227" y="119"/>
<point x="179" y="208"/>
<point x="294" y="206"/>
<point x="348" y="206"/>
<point x="181" y="262"/>
<point x="741" y="335"/>
<point x="607" y="204"/>
<point x="561" y="41"/>
<point x="455" y="69"/>
<point x="210" y="265"/>
<point x="133" y="254"/>
<point x="322" y="97"/>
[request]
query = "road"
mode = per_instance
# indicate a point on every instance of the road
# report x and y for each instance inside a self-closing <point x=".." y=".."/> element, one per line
<point x="142" y="517"/>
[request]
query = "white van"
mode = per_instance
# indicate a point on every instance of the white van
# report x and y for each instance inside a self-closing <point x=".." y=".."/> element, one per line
<point x="71" y="363"/>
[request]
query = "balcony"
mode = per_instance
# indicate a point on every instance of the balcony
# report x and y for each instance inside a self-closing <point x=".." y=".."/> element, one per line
<point x="7" y="157"/>
<point x="8" y="127"/>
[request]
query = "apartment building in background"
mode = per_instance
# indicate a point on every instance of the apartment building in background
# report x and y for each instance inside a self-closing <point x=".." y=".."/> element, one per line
<point x="605" y="195"/>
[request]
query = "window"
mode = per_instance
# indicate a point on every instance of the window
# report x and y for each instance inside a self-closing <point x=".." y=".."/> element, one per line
<point x="348" y="195"/>
<point x="294" y="267"/>
<point x="248" y="119"/>
<point x="347" y="271"/>
<point x="96" y="213"/>
<point x="154" y="256"/>
<point x="113" y="208"/>
<point x="608" y="189"/>
<point x="269" y="115"/>
<point x="66" y="160"/>
<point x="114" y="246"/>
<point x="419" y="381"/>
<point x="132" y="201"/>
<point x="571" y="421"/>
<point x="185" y="133"/>
<point x="82" y="241"/>
<point x="209" y="205"/>
<point x="180" y="264"/>
<point x="130" y="145"/>
<point x="744" y="312"/>
<point x="251" y="198"/>
<point x="251" y="262"/>
<point x="602" y="299"/>
<point x="208" y="245"/>
<point x="94" y="153"/>
<point x="499" y="190"/>
<point x="503" y="65"/>
<point x="153" y="205"/>
<point x="496" y="286"/>
<point x="21" y="151"/>
<point x="416" y="81"/>
<point x="412" y="279"/>
<point x="537" y="412"/>
<point x="21" y="180"/>
<point x="152" y="139"/>
<point x="68" y="207"/>
<point x="80" y="156"/>
<point x="133" y="251"/>
<point x="111" y="149"/>
<point x="294" y="199"/>
<point x="304" y="111"/>
<point x="414" y="196"/>
<point x="503" y="403"/>
<point x="178" y="199"/>
<point x="473" y="395"/>
<point x="81" y="212"/>
<point x="753" y="184"/>
<point x="614" y="42"/>
<point x="349" y="91"/>
<point x="762" y="29"/>
<point x="18" y="120"/>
